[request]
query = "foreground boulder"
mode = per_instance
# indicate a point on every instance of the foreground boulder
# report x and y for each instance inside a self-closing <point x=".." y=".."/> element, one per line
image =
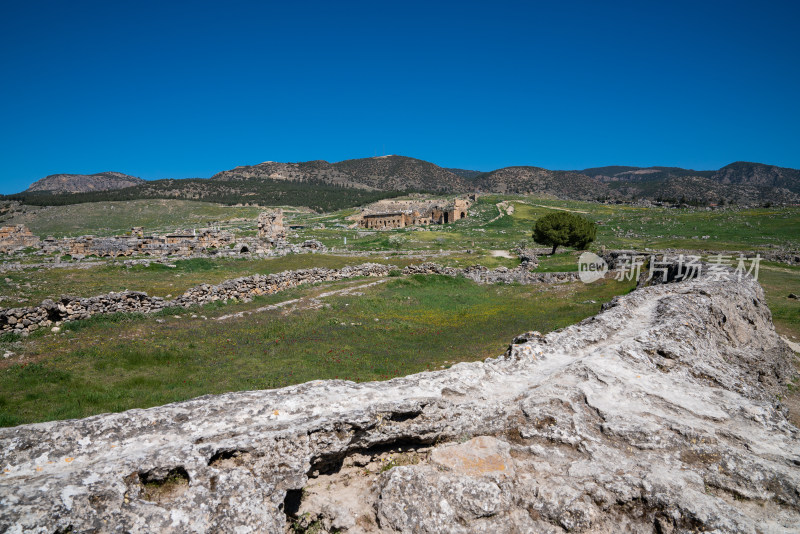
<point x="657" y="415"/>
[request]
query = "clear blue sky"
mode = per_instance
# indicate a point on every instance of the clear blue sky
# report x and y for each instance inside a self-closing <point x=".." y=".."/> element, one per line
<point x="186" y="89"/>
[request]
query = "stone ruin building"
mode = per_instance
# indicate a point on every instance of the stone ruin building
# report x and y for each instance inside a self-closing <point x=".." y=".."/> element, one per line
<point x="174" y="244"/>
<point x="271" y="233"/>
<point x="17" y="237"/>
<point x="385" y="215"/>
<point x="270" y="226"/>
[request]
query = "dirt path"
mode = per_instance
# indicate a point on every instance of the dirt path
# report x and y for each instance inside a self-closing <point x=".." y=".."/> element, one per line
<point x="304" y="303"/>
<point x="501" y="254"/>
<point x="504" y="208"/>
<point x="559" y="209"/>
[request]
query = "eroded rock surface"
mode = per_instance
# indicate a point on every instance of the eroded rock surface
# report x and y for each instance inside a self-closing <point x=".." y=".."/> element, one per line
<point x="657" y="415"/>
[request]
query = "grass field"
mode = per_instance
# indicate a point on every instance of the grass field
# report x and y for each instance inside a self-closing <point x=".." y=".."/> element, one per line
<point x="620" y="226"/>
<point x="779" y="281"/>
<point x="404" y="326"/>
<point x="32" y="286"/>
<point x="119" y="362"/>
<point x="117" y="218"/>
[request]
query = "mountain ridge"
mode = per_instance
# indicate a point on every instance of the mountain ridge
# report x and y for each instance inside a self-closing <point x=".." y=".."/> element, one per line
<point x="740" y="182"/>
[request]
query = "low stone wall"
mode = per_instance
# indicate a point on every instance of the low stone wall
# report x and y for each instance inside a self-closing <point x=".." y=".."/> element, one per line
<point x="251" y="286"/>
<point x="69" y="308"/>
<point x="501" y="275"/>
<point x="52" y="313"/>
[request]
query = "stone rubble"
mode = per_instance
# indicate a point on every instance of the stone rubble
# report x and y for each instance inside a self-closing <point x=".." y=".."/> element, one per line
<point x="500" y="275"/>
<point x="659" y="415"/>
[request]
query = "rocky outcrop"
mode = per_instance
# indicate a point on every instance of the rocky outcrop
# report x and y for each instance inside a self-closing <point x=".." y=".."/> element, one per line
<point x="500" y="275"/>
<point x="657" y="415"/>
<point x="67" y="308"/>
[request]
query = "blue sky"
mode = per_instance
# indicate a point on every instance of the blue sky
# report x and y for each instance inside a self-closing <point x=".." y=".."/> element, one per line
<point x="186" y="89"/>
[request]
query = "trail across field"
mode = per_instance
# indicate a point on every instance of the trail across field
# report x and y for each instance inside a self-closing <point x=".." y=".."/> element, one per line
<point x="311" y="301"/>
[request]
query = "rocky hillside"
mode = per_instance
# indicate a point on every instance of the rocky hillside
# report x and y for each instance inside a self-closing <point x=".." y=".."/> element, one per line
<point x="465" y="173"/>
<point x="562" y="184"/>
<point x="386" y="173"/>
<point x="739" y="183"/>
<point x="659" y="414"/>
<point x="82" y="183"/>
<point x="758" y="175"/>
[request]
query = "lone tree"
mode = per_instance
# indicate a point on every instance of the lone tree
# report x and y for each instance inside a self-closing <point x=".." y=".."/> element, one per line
<point x="564" y="228"/>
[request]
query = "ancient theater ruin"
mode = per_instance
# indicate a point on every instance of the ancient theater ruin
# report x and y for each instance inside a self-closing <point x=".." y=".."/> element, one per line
<point x="388" y="214"/>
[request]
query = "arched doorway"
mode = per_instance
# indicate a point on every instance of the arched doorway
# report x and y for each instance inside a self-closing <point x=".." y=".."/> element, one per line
<point x="463" y="214"/>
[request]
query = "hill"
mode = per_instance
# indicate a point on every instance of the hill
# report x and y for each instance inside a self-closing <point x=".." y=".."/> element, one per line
<point x="739" y="183"/>
<point x="759" y="175"/>
<point x="385" y="173"/>
<point x="323" y="185"/>
<point x="311" y="193"/>
<point x="561" y="184"/>
<point x="82" y="183"/>
<point x="465" y="173"/>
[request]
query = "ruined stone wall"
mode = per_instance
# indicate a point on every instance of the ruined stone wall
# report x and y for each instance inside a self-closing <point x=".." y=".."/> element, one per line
<point x="383" y="221"/>
<point x="69" y="308"/>
<point x="412" y="213"/>
<point x="49" y="312"/>
<point x="270" y="225"/>
<point x="16" y="237"/>
<point x="484" y="275"/>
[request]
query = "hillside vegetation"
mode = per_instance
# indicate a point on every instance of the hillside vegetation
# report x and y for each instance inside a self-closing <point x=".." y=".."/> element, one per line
<point x="313" y="194"/>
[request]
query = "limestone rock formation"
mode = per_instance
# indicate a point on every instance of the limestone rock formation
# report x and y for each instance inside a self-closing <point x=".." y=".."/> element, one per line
<point x="657" y="415"/>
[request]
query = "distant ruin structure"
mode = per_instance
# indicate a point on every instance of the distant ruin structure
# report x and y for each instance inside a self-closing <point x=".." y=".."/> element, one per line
<point x="270" y="226"/>
<point x="271" y="234"/>
<point x="174" y="244"/>
<point x="17" y="237"/>
<point x="388" y="214"/>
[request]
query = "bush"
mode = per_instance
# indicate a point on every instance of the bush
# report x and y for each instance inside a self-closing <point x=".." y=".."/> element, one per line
<point x="564" y="229"/>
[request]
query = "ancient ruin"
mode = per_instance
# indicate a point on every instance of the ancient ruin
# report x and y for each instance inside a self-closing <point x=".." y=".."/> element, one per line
<point x="270" y="226"/>
<point x="13" y="238"/>
<point x="657" y="415"/>
<point x="388" y="214"/>
<point x="271" y="234"/>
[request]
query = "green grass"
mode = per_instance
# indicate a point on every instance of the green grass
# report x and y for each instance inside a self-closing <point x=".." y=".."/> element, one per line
<point x="117" y="218"/>
<point x="778" y="281"/>
<point x="422" y="323"/>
